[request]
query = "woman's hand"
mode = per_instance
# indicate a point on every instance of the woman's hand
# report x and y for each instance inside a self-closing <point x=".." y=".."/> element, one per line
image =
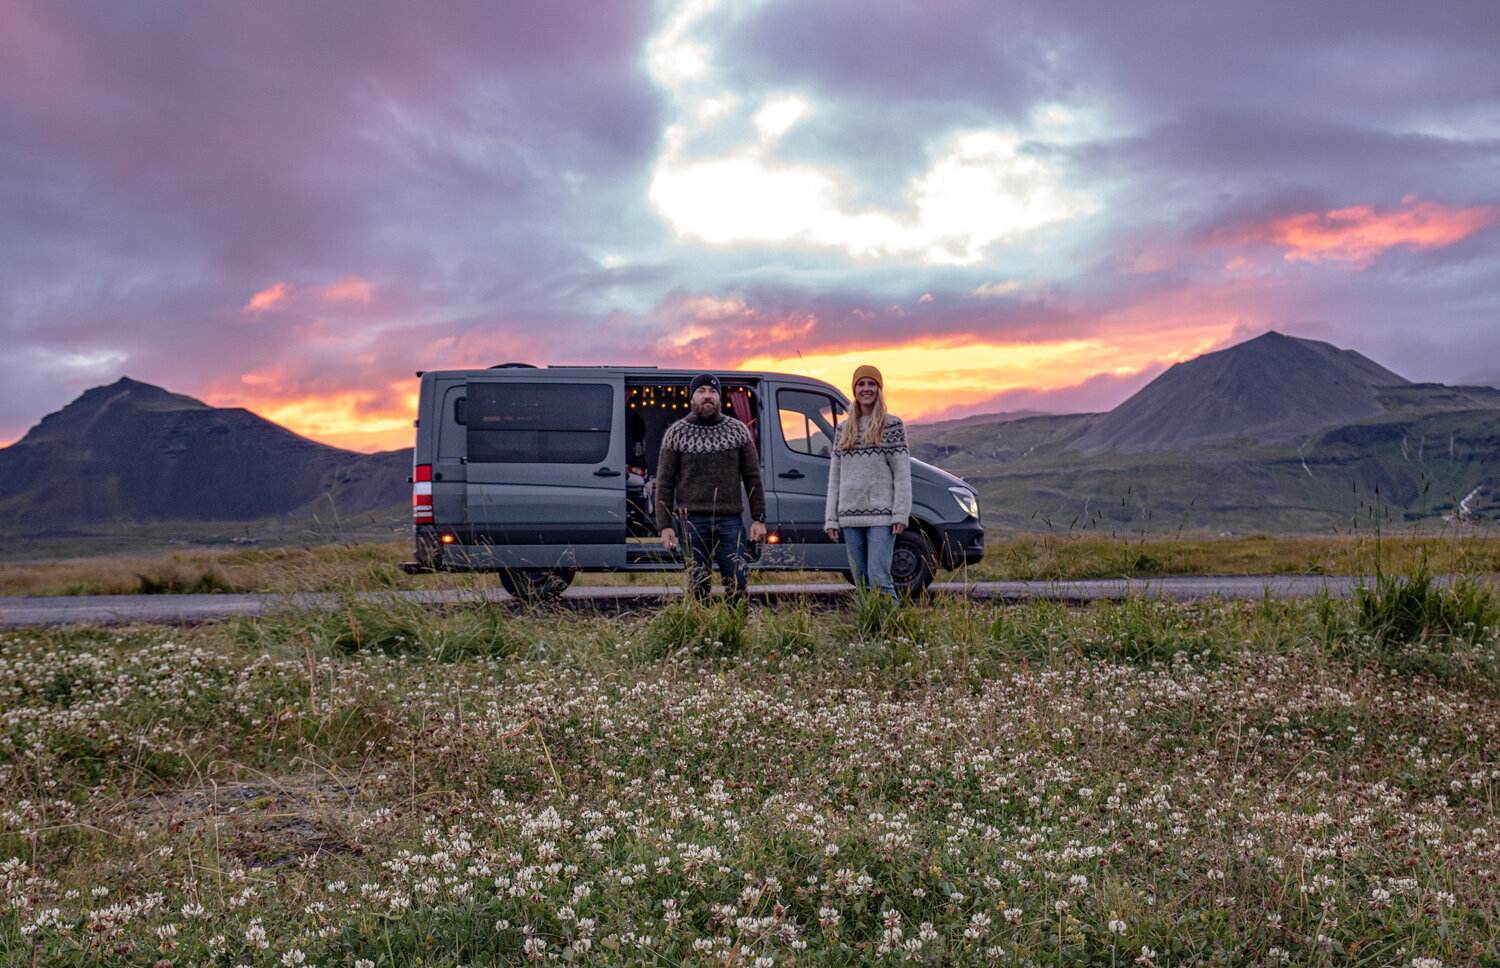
<point x="897" y="528"/>
<point x="833" y="534"/>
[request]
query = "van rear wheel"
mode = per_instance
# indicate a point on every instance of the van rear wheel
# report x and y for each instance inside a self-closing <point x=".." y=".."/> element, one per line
<point x="536" y="584"/>
<point x="913" y="562"/>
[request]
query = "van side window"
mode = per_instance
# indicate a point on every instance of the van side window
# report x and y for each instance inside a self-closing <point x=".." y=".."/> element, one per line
<point x="808" y="421"/>
<point x="538" y="423"/>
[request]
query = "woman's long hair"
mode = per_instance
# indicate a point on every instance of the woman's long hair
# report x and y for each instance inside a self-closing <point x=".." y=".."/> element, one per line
<point x="874" y="424"/>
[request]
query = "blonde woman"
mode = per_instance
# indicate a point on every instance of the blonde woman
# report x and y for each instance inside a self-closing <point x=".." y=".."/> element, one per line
<point x="869" y="485"/>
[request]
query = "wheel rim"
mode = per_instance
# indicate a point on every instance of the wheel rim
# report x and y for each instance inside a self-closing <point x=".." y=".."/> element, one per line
<point x="904" y="564"/>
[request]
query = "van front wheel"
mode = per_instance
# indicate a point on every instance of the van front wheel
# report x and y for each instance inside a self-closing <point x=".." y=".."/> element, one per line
<point x="912" y="562"/>
<point x="536" y="584"/>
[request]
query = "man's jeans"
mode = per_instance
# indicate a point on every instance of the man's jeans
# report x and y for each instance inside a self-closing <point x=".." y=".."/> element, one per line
<point x="709" y="537"/>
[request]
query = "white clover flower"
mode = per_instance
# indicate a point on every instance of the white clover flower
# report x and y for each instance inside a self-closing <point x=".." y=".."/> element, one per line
<point x="293" y="957"/>
<point x="1116" y="926"/>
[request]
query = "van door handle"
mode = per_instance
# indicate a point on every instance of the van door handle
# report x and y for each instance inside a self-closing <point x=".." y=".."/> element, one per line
<point x="606" y="472"/>
<point x="793" y="474"/>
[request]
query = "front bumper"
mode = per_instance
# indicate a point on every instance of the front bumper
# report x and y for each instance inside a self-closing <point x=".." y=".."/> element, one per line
<point x="960" y="544"/>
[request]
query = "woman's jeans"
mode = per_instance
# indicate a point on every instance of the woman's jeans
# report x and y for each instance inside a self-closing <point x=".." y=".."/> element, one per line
<point x="711" y="538"/>
<point x="870" y="552"/>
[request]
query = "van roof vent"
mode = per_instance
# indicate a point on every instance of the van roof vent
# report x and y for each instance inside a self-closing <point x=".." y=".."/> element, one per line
<point x="514" y="366"/>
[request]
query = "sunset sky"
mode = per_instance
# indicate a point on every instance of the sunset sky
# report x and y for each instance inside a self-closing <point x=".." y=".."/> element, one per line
<point x="292" y="206"/>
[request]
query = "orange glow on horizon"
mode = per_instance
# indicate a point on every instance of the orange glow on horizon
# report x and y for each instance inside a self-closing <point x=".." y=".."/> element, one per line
<point x="345" y="419"/>
<point x="1357" y="235"/>
<point x="924" y="380"/>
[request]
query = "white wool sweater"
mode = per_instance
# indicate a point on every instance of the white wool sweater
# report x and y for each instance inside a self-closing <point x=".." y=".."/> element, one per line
<point x="870" y="485"/>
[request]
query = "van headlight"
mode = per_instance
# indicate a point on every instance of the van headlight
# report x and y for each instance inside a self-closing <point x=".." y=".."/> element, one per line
<point x="968" y="501"/>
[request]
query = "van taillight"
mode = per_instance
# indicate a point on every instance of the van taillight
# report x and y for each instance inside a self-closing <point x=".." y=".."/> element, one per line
<point x="421" y="495"/>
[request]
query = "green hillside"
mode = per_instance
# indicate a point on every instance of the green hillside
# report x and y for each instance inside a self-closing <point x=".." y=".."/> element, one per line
<point x="1429" y="454"/>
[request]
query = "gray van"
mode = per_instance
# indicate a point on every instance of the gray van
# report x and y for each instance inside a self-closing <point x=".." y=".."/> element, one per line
<point x="539" y="473"/>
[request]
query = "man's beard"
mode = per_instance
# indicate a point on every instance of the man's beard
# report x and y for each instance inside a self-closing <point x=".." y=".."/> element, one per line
<point x="705" y="410"/>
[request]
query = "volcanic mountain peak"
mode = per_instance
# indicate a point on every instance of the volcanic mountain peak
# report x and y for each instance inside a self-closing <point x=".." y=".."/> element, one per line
<point x="1273" y="388"/>
<point x="131" y="451"/>
<point x="97" y="406"/>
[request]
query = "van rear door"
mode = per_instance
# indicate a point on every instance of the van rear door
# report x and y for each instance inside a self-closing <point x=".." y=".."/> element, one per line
<point x="546" y="469"/>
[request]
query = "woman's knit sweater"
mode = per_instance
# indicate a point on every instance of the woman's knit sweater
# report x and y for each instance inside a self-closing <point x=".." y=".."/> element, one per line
<point x="870" y="485"/>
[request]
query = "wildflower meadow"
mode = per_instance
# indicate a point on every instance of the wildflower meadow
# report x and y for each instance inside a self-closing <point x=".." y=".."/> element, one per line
<point x="954" y="783"/>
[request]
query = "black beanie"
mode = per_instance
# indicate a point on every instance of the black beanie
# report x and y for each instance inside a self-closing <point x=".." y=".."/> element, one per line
<point x="704" y="380"/>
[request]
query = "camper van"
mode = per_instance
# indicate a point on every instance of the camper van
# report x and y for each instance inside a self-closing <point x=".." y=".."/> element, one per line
<point x="539" y="473"/>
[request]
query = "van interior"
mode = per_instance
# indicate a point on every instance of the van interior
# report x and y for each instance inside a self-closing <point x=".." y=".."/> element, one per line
<point x="650" y="408"/>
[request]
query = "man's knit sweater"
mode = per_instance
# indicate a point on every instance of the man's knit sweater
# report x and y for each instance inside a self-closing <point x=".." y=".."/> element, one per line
<point x="870" y="485"/>
<point x="700" y="469"/>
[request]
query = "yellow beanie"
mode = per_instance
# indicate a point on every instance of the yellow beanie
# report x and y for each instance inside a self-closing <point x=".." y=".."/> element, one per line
<point x="861" y="372"/>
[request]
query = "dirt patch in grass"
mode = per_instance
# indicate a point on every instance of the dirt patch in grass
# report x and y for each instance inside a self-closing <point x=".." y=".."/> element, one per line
<point x="266" y="824"/>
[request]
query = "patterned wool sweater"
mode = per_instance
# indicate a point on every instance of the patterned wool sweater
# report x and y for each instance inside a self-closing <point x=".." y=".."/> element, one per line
<point x="701" y="467"/>
<point x="870" y="485"/>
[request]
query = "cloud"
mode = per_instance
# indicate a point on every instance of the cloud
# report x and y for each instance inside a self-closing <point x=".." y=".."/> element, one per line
<point x="348" y="289"/>
<point x="981" y="186"/>
<point x="268" y="298"/>
<point x="1357" y="235"/>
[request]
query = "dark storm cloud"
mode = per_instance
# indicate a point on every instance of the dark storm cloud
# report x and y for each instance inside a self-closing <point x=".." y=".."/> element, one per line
<point x="943" y="55"/>
<point x="161" y="163"/>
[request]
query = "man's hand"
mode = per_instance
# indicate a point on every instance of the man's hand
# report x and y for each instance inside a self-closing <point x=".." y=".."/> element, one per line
<point x="757" y="531"/>
<point x="669" y="539"/>
<point x="833" y="534"/>
<point x="897" y="528"/>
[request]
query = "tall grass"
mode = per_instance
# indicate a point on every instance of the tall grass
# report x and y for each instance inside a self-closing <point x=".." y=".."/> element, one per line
<point x="960" y="783"/>
<point x="375" y="566"/>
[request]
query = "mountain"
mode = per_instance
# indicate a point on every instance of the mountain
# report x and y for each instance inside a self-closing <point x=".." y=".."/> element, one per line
<point x="1273" y="389"/>
<point x="131" y="452"/>
<point x="1274" y="435"/>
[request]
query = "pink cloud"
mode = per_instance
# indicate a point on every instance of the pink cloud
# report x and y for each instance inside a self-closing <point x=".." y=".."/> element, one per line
<point x="1356" y="236"/>
<point x="267" y="299"/>
<point x="348" y="289"/>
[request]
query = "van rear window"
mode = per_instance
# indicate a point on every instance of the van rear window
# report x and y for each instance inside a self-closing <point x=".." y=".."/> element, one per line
<point x="539" y="423"/>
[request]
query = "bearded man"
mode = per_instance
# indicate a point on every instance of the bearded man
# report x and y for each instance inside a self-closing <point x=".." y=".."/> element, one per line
<point x="705" y="459"/>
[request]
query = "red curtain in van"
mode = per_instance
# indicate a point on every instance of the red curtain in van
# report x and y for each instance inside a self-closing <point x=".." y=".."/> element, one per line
<point x="740" y="409"/>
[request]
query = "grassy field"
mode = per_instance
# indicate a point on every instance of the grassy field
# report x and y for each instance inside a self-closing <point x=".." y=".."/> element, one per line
<point x="1131" y="784"/>
<point x="373" y="566"/>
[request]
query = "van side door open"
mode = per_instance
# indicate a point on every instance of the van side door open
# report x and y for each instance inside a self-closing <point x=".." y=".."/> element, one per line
<point x="545" y="469"/>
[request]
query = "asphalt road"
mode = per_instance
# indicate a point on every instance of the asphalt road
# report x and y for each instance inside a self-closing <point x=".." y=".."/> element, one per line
<point x="29" y="611"/>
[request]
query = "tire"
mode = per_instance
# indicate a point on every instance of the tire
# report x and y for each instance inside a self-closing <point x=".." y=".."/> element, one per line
<point x="536" y="584"/>
<point x="913" y="562"/>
